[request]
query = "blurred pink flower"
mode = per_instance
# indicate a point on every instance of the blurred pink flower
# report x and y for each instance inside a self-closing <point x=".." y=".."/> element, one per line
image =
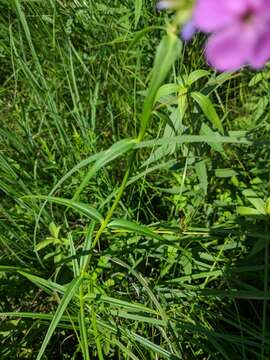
<point x="240" y="32"/>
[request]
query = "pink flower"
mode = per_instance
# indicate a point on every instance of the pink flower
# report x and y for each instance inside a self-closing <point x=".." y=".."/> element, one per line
<point x="240" y="32"/>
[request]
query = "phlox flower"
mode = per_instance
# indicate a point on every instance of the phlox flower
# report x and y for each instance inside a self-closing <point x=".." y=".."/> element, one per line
<point x="240" y="32"/>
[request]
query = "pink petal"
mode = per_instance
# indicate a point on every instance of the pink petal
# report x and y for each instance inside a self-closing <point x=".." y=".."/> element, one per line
<point x="258" y="5"/>
<point x="212" y="15"/>
<point x="229" y="49"/>
<point x="261" y="52"/>
<point x="239" y="6"/>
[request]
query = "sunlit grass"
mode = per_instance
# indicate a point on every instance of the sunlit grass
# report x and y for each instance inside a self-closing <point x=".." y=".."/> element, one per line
<point x="162" y="266"/>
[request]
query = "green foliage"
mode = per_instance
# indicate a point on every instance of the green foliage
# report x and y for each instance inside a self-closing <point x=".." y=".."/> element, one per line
<point x="134" y="190"/>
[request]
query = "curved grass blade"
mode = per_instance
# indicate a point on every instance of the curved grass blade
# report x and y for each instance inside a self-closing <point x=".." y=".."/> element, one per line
<point x="153" y="347"/>
<point x="82" y="208"/>
<point x="116" y="150"/>
<point x="76" y="168"/>
<point x="138" y="11"/>
<point x="130" y="226"/>
<point x="127" y="305"/>
<point x="74" y="260"/>
<point x="47" y="285"/>
<point x="69" y="293"/>
<point x="36" y="316"/>
<point x="195" y="139"/>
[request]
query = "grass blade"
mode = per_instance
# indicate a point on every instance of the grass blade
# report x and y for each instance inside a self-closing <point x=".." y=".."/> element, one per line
<point x="69" y="293"/>
<point x="82" y="208"/>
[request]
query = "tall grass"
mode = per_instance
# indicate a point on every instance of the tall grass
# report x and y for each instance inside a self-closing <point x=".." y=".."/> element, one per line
<point x="134" y="186"/>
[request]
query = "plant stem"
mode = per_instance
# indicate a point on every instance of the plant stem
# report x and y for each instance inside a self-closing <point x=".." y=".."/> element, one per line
<point x="84" y="337"/>
<point x="117" y="199"/>
<point x="167" y="52"/>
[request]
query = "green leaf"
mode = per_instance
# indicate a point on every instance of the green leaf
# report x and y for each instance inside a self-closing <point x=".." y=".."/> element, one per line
<point x="87" y="247"/>
<point x="172" y="128"/>
<point x="168" y="51"/>
<point x="225" y="173"/>
<point x="194" y="139"/>
<point x="247" y="211"/>
<point x="208" y="109"/>
<point x="138" y="11"/>
<point x="201" y="275"/>
<point x="39" y="316"/>
<point x="153" y="347"/>
<point x="43" y="283"/>
<point x="69" y="293"/>
<point x="138" y="35"/>
<point x="116" y="150"/>
<point x="196" y="75"/>
<point x="127" y="305"/>
<point x="137" y="318"/>
<point x="253" y="198"/>
<point x="130" y="226"/>
<point x="207" y="131"/>
<point x="82" y="208"/>
<point x="166" y="90"/>
<point x="73" y="255"/>
<point x="260" y="76"/>
<point x="6" y="268"/>
<point x="202" y="175"/>
<point x="41" y="245"/>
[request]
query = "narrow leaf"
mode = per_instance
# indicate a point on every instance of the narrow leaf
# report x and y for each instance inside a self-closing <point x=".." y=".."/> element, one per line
<point x="138" y="11"/>
<point x="82" y="208"/>
<point x="202" y="175"/>
<point x="116" y="150"/>
<point x="130" y="226"/>
<point x="69" y="293"/>
<point x="208" y="109"/>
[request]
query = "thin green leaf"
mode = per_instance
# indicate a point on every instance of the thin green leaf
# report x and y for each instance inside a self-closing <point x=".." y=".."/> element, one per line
<point x="168" y="51"/>
<point x="116" y="150"/>
<point x="138" y="11"/>
<point x="194" y="139"/>
<point x="208" y="109"/>
<point x="69" y="293"/>
<point x="75" y="265"/>
<point x="85" y="257"/>
<point x="130" y="226"/>
<point x="128" y="305"/>
<point x="202" y="175"/>
<point x="43" y="283"/>
<point x="225" y="173"/>
<point x="38" y="316"/>
<point x="82" y="208"/>
<point x="153" y="347"/>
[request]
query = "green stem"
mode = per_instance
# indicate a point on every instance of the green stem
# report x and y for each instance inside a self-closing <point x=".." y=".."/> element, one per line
<point x="84" y="337"/>
<point x="167" y="53"/>
<point x="116" y="201"/>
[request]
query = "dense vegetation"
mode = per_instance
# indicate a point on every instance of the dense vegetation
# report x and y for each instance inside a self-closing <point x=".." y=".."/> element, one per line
<point x="179" y="268"/>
